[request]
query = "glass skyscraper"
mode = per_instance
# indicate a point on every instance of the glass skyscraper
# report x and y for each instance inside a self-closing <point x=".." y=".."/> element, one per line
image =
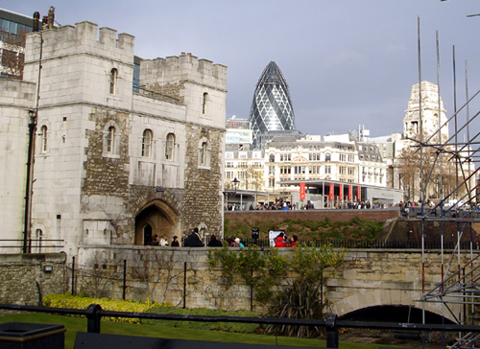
<point x="271" y="107"/>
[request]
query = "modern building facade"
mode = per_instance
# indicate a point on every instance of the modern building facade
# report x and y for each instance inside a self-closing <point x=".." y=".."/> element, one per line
<point x="13" y="29"/>
<point x="272" y="109"/>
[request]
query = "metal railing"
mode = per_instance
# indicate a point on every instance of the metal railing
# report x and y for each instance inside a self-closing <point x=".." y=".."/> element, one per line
<point x="33" y="245"/>
<point x="332" y="324"/>
<point x="369" y="244"/>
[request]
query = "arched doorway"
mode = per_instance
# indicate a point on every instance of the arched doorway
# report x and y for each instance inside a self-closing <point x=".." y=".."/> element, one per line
<point x="155" y="219"/>
<point x="147" y="234"/>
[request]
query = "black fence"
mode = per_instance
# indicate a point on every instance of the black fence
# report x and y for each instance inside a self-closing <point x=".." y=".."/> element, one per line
<point x="332" y="324"/>
<point x="371" y="244"/>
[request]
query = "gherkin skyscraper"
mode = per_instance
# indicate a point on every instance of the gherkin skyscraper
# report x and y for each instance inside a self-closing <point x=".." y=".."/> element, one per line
<point x="271" y="107"/>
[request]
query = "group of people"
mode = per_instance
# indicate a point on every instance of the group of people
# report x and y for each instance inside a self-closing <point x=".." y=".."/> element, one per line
<point x="163" y="241"/>
<point x="194" y="240"/>
<point x="282" y="241"/>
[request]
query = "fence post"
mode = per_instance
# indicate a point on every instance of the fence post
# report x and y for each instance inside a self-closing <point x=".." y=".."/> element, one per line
<point x="73" y="275"/>
<point x="332" y="331"/>
<point x="184" y="285"/>
<point x="93" y="316"/>
<point x="124" y="278"/>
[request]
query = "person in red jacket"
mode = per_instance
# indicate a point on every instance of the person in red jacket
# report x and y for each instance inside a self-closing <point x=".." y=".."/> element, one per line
<point x="281" y="240"/>
<point x="293" y="243"/>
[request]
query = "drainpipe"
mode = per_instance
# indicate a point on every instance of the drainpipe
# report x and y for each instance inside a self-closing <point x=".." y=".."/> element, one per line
<point x="32" y="126"/>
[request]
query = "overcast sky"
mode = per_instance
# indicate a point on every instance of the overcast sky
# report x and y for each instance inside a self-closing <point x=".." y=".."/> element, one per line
<point x="347" y="62"/>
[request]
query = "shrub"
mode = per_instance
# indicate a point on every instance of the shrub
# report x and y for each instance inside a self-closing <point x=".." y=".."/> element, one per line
<point x="216" y="326"/>
<point x="79" y="302"/>
<point x="300" y="300"/>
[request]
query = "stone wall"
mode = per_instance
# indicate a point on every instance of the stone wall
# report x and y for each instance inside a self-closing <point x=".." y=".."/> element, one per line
<point x="366" y="278"/>
<point x="25" y="278"/>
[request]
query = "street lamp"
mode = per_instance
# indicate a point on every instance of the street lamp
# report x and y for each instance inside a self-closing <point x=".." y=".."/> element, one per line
<point x="235" y="182"/>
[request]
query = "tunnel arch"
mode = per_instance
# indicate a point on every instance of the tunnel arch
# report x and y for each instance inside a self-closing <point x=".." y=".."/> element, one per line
<point x="394" y="313"/>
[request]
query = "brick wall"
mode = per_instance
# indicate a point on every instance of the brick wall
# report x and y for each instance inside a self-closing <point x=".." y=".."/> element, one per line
<point x="313" y="215"/>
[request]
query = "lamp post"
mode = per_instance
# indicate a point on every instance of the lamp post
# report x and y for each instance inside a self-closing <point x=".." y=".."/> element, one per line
<point x="235" y="182"/>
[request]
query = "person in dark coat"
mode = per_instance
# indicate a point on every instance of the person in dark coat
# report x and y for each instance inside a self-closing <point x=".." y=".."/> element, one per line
<point x="193" y="240"/>
<point x="214" y="242"/>
<point x="175" y="242"/>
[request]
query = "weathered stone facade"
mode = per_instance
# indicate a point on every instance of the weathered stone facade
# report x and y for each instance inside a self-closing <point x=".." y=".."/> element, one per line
<point x="114" y="166"/>
<point x="15" y="100"/>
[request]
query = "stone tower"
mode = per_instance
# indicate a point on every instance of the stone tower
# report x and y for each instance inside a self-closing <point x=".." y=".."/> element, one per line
<point x="430" y="113"/>
<point x="114" y="166"/>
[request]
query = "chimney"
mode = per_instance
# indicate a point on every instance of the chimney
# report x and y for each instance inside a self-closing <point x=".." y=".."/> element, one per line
<point x="36" y="21"/>
<point x="51" y="17"/>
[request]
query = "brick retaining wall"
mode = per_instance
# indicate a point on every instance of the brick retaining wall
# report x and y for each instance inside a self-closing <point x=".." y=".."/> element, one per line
<point x="313" y="215"/>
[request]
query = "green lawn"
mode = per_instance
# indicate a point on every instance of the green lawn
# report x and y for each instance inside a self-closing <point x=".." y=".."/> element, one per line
<point x="74" y="325"/>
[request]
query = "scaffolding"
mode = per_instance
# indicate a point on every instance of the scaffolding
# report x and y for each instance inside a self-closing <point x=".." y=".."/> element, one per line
<point x="458" y="291"/>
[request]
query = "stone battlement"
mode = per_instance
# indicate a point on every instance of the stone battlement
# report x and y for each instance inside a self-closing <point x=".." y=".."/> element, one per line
<point x="175" y="69"/>
<point x="84" y="37"/>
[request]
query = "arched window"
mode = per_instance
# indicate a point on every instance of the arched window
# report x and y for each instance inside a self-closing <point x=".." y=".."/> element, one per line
<point x="169" y="147"/>
<point x="328" y="157"/>
<point x="203" y="154"/>
<point x="271" y="158"/>
<point x="44" y="138"/>
<point x="147" y="144"/>
<point x="204" y="103"/>
<point x="110" y="140"/>
<point x="39" y="238"/>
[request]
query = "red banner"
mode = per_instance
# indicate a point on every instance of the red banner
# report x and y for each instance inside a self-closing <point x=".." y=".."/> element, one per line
<point x="302" y="191"/>
<point x="350" y="192"/>
<point x="330" y="194"/>
<point x="359" y="194"/>
<point x="341" y="191"/>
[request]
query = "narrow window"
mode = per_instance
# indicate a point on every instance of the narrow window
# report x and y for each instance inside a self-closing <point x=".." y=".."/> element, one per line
<point x="113" y="80"/>
<point x="328" y="157"/>
<point x="111" y="140"/>
<point x="204" y="103"/>
<point x="169" y="147"/>
<point x="203" y="154"/>
<point x="147" y="143"/>
<point x="43" y="147"/>
<point x="39" y="238"/>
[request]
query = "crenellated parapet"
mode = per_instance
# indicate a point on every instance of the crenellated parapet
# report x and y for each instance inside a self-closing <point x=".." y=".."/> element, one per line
<point x="84" y="37"/>
<point x="186" y="67"/>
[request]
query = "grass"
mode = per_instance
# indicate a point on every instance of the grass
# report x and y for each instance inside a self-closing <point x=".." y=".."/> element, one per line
<point x="75" y="324"/>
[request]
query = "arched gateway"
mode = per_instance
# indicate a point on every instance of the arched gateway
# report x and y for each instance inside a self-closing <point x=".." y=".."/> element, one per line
<point x="155" y="218"/>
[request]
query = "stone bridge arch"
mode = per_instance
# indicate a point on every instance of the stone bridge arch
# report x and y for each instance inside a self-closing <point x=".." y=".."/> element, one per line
<point x="364" y="299"/>
<point x="383" y="277"/>
<point x="159" y="217"/>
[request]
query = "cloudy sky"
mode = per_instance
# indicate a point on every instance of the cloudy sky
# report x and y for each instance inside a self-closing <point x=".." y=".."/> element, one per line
<point x="347" y="62"/>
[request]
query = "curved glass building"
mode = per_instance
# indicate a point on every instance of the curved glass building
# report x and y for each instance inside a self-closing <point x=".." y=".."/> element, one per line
<point x="271" y="107"/>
